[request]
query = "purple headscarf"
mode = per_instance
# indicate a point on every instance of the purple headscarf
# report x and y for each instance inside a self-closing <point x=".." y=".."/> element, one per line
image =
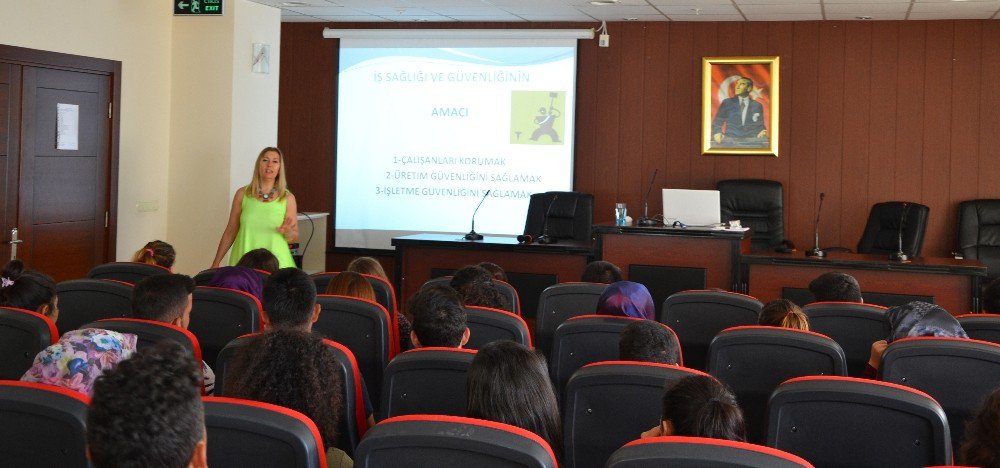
<point x="626" y="299"/>
<point x="238" y="278"/>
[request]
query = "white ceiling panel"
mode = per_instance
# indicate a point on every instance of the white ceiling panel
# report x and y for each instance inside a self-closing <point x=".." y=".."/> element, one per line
<point x="466" y="10"/>
<point x="780" y="9"/>
<point x="706" y="18"/>
<point x="712" y="9"/>
<point x="473" y="19"/>
<point x="740" y="3"/>
<point x="372" y="3"/>
<point x="785" y="17"/>
<point x="658" y="3"/>
<point x="875" y="16"/>
<point x="951" y="15"/>
<point x="865" y="8"/>
<point x="352" y="19"/>
<point x="557" y="18"/>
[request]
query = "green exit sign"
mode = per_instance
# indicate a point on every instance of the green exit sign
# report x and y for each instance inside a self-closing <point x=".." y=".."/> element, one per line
<point x="197" y="7"/>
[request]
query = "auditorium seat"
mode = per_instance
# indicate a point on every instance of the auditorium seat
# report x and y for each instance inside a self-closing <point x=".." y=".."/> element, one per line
<point x="506" y="290"/>
<point x="42" y="426"/>
<point x="655" y="452"/>
<point x="86" y="300"/>
<point x="219" y="315"/>
<point x="979" y="233"/>
<point x="150" y="332"/>
<point x="759" y="205"/>
<point x="753" y="360"/>
<point x="607" y="404"/>
<point x="846" y="421"/>
<point x="251" y="433"/>
<point x="985" y="327"/>
<point x="853" y="325"/>
<point x="23" y="334"/>
<point x="487" y="325"/>
<point x="363" y="327"/>
<point x="697" y="316"/>
<point x="558" y="303"/>
<point x="425" y="441"/>
<point x="566" y="215"/>
<point x="426" y="381"/>
<point x="958" y="373"/>
<point x="582" y="340"/>
<point x="881" y="234"/>
<point x="129" y="272"/>
<point x="384" y="292"/>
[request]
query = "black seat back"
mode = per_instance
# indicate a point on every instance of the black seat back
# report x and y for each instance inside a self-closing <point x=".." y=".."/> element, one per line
<point x="426" y="381"/>
<point x="757" y="204"/>
<point x="569" y="215"/>
<point x="881" y="234"/>
<point x="697" y="316"/>
<point x="87" y="300"/>
<point x="129" y="272"/>
<point x="363" y="327"/>
<point x="560" y="302"/>
<point x="979" y="233"/>
<point x="43" y="425"/>
<point x="854" y="326"/>
<point x="220" y="315"/>
<point x="487" y="325"/>
<point x="23" y="334"/>
<point x="983" y="327"/>
<point x="251" y="433"/>
<point x="701" y="452"/>
<point x="582" y="340"/>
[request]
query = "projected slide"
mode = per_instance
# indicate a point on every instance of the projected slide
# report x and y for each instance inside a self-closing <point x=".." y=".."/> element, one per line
<point x="423" y="133"/>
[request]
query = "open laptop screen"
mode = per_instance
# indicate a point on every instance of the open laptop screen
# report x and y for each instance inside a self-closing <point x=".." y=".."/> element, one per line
<point x="691" y="207"/>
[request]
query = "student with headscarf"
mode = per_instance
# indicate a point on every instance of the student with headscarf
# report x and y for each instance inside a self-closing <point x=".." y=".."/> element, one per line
<point x="910" y="320"/>
<point x="626" y="299"/>
<point x="80" y="357"/>
<point x="239" y="278"/>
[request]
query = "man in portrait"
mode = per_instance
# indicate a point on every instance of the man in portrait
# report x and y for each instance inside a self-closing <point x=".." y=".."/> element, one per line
<point x="743" y="118"/>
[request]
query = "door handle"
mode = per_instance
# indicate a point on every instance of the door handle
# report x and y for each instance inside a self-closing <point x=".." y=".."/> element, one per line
<point x="13" y="243"/>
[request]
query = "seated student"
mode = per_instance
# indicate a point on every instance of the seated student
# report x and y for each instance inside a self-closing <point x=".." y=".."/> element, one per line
<point x="783" y="313"/>
<point x="509" y="383"/>
<point x="909" y="320"/>
<point x="982" y="435"/>
<point x="991" y="297"/>
<point x="476" y="286"/>
<point x="367" y="266"/>
<point x="648" y="341"/>
<point x="156" y="252"/>
<point x="148" y="412"/>
<point x="626" y="299"/>
<point x="439" y="319"/>
<point x="80" y="357"/>
<point x="168" y="299"/>
<point x="259" y="259"/>
<point x="238" y="278"/>
<point x="296" y="370"/>
<point x="352" y="284"/>
<point x="601" y="272"/>
<point x="495" y="270"/>
<point x="28" y="290"/>
<point x="700" y="406"/>
<point x="836" y="287"/>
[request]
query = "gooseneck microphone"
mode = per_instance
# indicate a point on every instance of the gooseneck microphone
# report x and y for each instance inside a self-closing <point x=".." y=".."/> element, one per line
<point x="545" y="238"/>
<point x="644" y="220"/>
<point x="815" y="251"/>
<point x="473" y="235"/>
<point x="899" y="255"/>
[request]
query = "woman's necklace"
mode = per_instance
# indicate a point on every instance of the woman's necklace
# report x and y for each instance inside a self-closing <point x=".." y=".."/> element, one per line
<point x="266" y="196"/>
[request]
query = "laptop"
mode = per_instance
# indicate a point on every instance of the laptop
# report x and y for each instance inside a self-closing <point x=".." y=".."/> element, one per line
<point x="695" y="208"/>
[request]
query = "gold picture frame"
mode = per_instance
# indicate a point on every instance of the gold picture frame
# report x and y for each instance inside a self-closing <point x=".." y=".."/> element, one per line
<point x="739" y="106"/>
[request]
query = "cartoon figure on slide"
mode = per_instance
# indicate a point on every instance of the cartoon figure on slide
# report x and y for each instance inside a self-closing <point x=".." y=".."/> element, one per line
<point x="743" y="118"/>
<point x="545" y="119"/>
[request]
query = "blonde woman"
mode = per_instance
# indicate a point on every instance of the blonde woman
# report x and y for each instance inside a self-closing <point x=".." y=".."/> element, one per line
<point x="263" y="214"/>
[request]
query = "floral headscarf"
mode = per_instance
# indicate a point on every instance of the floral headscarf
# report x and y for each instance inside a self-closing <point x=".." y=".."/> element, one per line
<point x="80" y="357"/>
<point x="626" y="299"/>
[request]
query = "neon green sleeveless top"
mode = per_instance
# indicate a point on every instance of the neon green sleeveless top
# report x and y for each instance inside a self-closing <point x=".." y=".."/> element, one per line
<point x="259" y="222"/>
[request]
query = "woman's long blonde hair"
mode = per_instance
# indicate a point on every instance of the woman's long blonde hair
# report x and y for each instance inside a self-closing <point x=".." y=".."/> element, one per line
<point x="280" y="182"/>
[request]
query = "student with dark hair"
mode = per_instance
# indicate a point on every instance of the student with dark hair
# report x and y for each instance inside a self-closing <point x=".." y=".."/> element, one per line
<point x="148" y="412"/>
<point x="495" y="270"/>
<point x="991" y="297"/>
<point x="982" y="435"/>
<point x="601" y="272"/>
<point x="439" y="319"/>
<point x="168" y="299"/>
<point x="296" y="370"/>
<point x="156" y="252"/>
<point x="476" y="287"/>
<point x="784" y="314"/>
<point x="28" y="290"/>
<point x="509" y="383"/>
<point x="700" y="406"/>
<point x="836" y="287"/>
<point x="648" y="341"/>
<point x="259" y="259"/>
<point x="290" y="300"/>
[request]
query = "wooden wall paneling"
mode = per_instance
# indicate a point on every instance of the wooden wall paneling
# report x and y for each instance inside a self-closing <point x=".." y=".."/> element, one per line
<point x="630" y="167"/>
<point x="702" y="166"/>
<point x="608" y="128"/>
<point x="937" y="134"/>
<point x="909" y="155"/>
<point x="682" y="107"/>
<point x="830" y="131"/>
<point x="780" y="42"/>
<point x="989" y="112"/>
<point x="730" y="42"/>
<point x="588" y="117"/>
<point x="881" y="139"/>
<point x="854" y="203"/>
<point x="755" y="42"/>
<point x="965" y="120"/>
<point x="656" y="69"/>
<point x="801" y="127"/>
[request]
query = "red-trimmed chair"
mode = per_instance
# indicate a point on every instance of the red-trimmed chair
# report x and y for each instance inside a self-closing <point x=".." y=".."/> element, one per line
<point x="983" y="327"/>
<point x="853" y="325"/>
<point x="423" y="441"/>
<point x="42" y="425"/>
<point x="251" y="433"/>
<point x="129" y="272"/>
<point x="846" y="421"/>
<point x="506" y="290"/>
<point x="487" y="325"/>
<point x="609" y="403"/>
<point x="364" y="327"/>
<point x="385" y="295"/>
<point x="425" y="381"/>
<point x="23" y="334"/>
<point x="87" y="300"/>
<point x="219" y="315"/>
<point x="205" y="276"/>
<point x="697" y="316"/>
<point x="958" y="373"/>
<point x="701" y="452"/>
<point x="353" y="422"/>
<point x="754" y="360"/>
<point x="560" y="302"/>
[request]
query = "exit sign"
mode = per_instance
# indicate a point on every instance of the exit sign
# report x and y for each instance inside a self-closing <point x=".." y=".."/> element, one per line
<point x="197" y="7"/>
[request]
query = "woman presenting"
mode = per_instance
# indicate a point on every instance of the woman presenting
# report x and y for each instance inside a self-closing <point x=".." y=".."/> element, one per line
<point x="263" y="214"/>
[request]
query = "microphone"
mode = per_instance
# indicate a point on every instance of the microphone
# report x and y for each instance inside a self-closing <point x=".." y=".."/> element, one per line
<point x="473" y="235"/>
<point x="525" y="239"/>
<point x="899" y="255"/>
<point x="815" y="251"/>
<point x="545" y="238"/>
<point x="644" y="220"/>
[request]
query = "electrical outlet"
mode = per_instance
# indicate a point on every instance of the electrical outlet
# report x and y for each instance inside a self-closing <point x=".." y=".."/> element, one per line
<point x="604" y="40"/>
<point x="148" y="205"/>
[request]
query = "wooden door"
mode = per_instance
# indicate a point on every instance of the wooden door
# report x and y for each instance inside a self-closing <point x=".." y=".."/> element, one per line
<point x="10" y="124"/>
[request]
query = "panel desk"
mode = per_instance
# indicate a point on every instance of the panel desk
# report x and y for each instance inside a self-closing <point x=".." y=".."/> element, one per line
<point x="951" y="283"/>
<point x="529" y="267"/>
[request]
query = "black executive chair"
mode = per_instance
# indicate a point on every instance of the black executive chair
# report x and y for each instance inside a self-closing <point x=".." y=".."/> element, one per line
<point x="979" y="233"/>
<point x="570" y="217"/>
<point x="758" y="204"/>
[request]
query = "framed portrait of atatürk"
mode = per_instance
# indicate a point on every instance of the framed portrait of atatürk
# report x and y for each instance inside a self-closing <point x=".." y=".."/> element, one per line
<point x="739" y="105"/>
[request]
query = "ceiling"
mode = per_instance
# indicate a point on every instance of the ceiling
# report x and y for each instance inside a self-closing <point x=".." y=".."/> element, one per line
<point x="628" y="10"/>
